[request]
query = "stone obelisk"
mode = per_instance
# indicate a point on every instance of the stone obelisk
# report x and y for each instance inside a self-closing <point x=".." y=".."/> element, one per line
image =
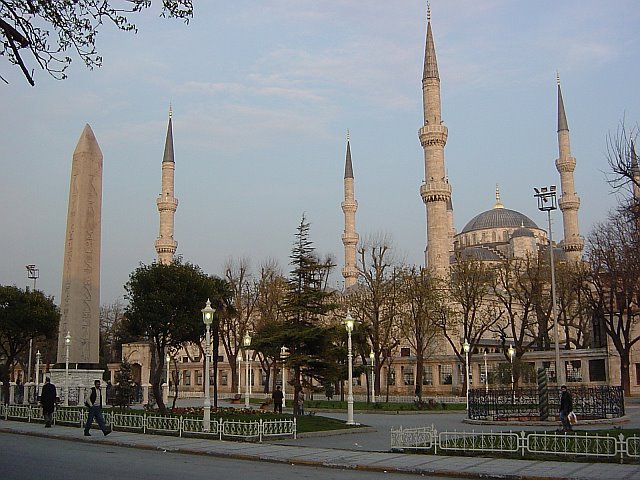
<point x="80" y="300"/>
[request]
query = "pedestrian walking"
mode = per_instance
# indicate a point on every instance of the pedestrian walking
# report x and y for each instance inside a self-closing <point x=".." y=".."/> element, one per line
<point x="48" y="401"/>
<point x="566" y="407"/>
<point x="277" y="397"/>
<point x="94" y="403"/>
<point x="301" y="402"/>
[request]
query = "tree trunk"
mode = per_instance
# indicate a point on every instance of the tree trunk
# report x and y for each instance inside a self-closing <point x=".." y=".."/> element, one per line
<point x="625" y="374"/>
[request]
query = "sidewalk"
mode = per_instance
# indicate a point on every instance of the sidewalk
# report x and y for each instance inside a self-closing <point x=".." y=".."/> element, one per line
<point x="467" y="467"/>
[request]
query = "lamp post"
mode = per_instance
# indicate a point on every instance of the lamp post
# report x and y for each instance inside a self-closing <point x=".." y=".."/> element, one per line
<point x="284" y="354"/>
<point x="512" y="352"/>
<point x="348" y="323"/>
<point x="207" y="318"/>
<point x="168" y="361"/>
<point x="37" y="373"/>
<point x="486" y="373"/>
<point x="547" y="203"/>
<point x="247" y="343"/>
<point x="67" y="342"/>
<point x="32" y="273"/>
<point x="238" y="356"/>
<point x="372" y="357"/>
<point x="466" y="347"/>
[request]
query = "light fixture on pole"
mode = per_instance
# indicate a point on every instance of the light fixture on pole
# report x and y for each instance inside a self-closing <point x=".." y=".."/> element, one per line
<point x="207" y="318"/>
<point x="372" y="357"/>
<point x="247" y="343"/>
<point x="67" y="342"/>
<point x="37" y="374"/>
<point x="486" y="373"/>
<point x="512" y="352"/>
<point x="547" y="203"/>
<point x="168" y="361"/>
<point x="348" y="323"/>
<point x="283" y="355"/>
<point x="32" y="273"/>
<point x="466" y="347"/>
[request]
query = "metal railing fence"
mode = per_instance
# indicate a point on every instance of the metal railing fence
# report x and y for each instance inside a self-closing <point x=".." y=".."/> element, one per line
<point x="163" y="425"/>
<point x="584" y="444"/>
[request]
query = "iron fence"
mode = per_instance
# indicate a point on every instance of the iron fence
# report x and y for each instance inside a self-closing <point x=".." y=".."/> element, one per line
<point x="162" y="425"/>
<point x="525" y="403"/>
<point x="576" y="445"/>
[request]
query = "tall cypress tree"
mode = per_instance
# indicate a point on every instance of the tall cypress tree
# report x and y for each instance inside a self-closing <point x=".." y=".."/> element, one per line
<point x="306" y="302"/>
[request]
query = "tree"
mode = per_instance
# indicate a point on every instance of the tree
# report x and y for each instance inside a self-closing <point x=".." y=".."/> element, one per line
<point x="625" y="171"/>
<point x="422" y="306"/>
<point x="613" y="252"/>
<point x="234" y="326"/>
<point x="124" y="386"/>
<point x="471" y="314"/>
<point x="165" y="303"/>
<point x="111" y="317"/>
<point x="305" y="303"/>
<point x="49" y="30"/>
<point x="375" y="299"/>
<point x="24" y="315"/>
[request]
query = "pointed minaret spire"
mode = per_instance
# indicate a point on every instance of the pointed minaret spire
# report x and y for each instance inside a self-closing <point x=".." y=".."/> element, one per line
<point x="569" y="202"/>
<point x="498" y="202"/>
<point x="349" y="236"/>
<point x="436" y="191"/>
<point x="167" y="204"/>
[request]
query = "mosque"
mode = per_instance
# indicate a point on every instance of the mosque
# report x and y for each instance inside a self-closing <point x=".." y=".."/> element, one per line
<point x="495" y="235"/>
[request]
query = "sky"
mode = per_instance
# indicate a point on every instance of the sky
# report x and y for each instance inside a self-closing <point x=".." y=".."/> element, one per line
<point x="263" y="93"/>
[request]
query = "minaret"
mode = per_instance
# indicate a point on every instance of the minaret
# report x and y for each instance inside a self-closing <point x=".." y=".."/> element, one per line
<point x="436" y="191"/>
<point x="635" y="172"/>
<point x="349" y="236"/>
<point x="167" y="203"/>
<point x="569" y="202"/>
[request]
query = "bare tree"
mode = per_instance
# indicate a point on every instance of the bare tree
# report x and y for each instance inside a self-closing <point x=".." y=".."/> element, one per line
<point x="48" y="30"/>
<point x="614" y="256"/>
<point x="234" y="326"/>
<point x="471" y="314"/>
<point x="421" y="297"/>
<point x="375" y="299"/>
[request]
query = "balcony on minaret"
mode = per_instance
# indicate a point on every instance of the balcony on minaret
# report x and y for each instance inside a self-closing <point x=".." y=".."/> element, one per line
<point x="350" y="238"/>
<point x="435" y="191"/>
<point x="166" y="245"/>
<point x="565" y="164"/>
<point x="167" y="203"/>
<point x="569" y="202"/>
<point x="433" y="135"/>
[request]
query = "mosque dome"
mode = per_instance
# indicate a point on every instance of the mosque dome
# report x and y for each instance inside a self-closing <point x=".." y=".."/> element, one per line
<point x="499" y="218"/>
<point x="522" y="232"/>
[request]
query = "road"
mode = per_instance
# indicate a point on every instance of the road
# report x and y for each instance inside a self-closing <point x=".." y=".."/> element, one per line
<point x="27" y="457"/>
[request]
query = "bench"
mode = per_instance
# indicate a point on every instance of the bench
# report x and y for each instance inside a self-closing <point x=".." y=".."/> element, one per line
<point x="236" y="398"/>
<point x="266" y="404"/>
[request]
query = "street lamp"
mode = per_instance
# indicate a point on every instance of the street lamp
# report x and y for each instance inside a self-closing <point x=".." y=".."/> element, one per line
<point x="283" y="355"/>
<point x="247" y="343"/>
<point x="67" y="342"/>
<point x="207" y="318"/>
<point x="168" y="361"/>
<point x="37" y="373"/>
<point x="372" y="357"/>
<point x="32" y="273"/>
<point x="486" y="373"/>
<point x="348" y="323"/>
<point x="546" y="203"/>
<point x="466" y="348"/>
<point x="512" y="352"/>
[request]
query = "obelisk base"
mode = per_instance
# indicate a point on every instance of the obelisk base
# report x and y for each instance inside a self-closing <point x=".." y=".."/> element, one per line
<point x="79" y="383"/>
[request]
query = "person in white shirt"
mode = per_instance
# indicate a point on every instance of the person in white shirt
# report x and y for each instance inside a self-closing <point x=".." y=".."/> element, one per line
<point x="94" y="403"/>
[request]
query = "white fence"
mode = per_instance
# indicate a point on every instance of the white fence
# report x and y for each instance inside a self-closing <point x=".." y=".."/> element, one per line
<point x="146" y="423"/>
<point x="585" y="444"/>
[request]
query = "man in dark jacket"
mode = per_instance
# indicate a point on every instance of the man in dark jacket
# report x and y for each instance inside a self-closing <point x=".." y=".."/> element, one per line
<point x="94" y="402"/>
<point x="48" y="401"/>
<point x="566" y="407"/>
<point x="277" y="400"/>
